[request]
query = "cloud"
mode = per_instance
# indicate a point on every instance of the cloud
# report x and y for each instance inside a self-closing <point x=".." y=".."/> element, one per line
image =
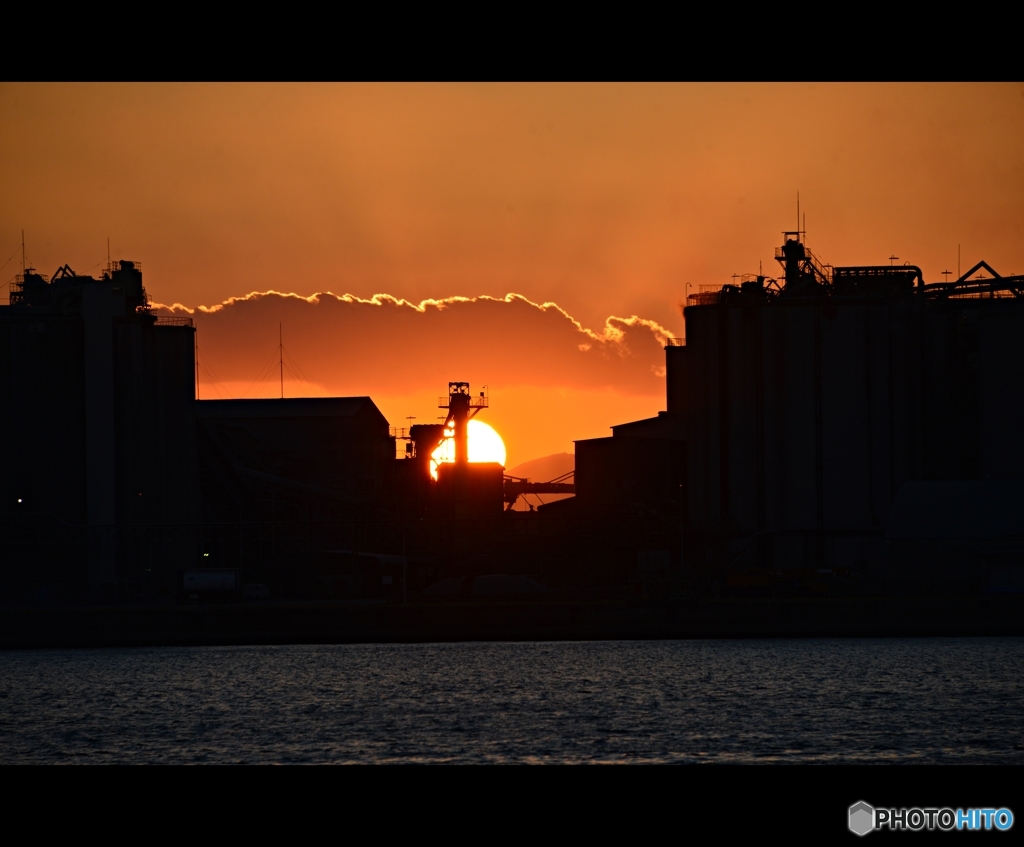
<point x="348" y="345"/>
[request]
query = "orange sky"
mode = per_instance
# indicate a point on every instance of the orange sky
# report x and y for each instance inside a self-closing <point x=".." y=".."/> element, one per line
<point x="604" y="199"/>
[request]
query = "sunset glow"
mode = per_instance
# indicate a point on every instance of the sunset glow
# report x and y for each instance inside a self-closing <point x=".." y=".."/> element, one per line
<point x="485" y="445"/>
<point x="564" y="222"/>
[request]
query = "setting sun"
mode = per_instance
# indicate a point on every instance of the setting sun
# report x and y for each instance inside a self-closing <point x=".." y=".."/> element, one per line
<point x="485" y="445"/>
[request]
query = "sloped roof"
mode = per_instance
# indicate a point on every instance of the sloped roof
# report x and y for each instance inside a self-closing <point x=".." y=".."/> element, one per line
<point x="663" y="426"/>
<point x="290" y="407"/>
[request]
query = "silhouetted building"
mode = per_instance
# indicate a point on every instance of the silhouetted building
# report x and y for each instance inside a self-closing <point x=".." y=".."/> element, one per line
<point x="621" y="531"/>
<point x="642" y="463"/>
<point x="801" y="410"/>
<point x="284" y="481"/>
<point x="811" y="403"/>
<point x="414" y="484"/>
<point x="102" y="458"/>
<point x="263" y="459"/>
<point x="456" y="488"/>
<point x="835" y="421"/>
<point x="470" y="490"/>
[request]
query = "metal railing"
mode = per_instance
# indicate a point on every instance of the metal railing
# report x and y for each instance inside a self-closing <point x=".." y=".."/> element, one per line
<point x="474" y="402"/>
<point x="115" y="265"/>
<point x="704" y="298"/>
<point x="172" y="320"/>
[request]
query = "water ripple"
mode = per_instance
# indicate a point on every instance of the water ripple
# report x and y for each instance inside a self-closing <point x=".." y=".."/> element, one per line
<point x="785" y="701"/>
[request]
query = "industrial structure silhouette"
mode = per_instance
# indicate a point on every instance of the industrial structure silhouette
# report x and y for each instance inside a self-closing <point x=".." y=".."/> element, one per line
<point x="835" y="431"/>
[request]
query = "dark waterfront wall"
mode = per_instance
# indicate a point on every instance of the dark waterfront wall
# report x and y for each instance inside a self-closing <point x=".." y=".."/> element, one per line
<point x="546" y="620"/>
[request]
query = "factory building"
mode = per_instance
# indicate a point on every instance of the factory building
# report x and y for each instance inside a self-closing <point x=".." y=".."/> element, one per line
<point x="837" y="420"/>
<point x="335" y="448"/>
<point x="621" y="531"/>
<point x="284" y="480"/>
<point x="643" y="463"/>
<point x="98" y="413"/>
<point x="813" y="403"/>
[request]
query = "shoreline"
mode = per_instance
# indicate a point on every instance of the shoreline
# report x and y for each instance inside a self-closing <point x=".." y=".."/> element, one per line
<point x="280" y="623"/>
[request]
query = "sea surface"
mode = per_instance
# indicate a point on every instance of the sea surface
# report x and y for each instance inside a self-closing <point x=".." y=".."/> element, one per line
<point x="764" y="701"/>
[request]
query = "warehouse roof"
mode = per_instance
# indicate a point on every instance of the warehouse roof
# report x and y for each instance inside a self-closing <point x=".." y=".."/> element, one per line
<point x="292" y="407"/>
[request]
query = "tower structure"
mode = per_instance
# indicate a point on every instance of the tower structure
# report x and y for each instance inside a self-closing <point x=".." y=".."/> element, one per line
<point x="462" y="406"/>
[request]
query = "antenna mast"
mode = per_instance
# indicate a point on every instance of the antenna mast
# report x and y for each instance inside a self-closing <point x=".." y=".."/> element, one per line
<point x="280" y="357"/>
<point x="23" y="252"/>
<point x="196" y="336"/>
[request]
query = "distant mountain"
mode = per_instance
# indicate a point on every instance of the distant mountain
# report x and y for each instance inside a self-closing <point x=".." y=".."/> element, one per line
<point x="542" y="470"/>
<point x="545" y="468"/>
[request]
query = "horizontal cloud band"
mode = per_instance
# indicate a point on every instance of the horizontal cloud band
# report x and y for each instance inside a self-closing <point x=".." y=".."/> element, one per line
<point x="349" y="345"/>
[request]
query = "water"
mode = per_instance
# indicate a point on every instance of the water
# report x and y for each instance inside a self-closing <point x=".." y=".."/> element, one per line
<point x="800" y="701"/>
